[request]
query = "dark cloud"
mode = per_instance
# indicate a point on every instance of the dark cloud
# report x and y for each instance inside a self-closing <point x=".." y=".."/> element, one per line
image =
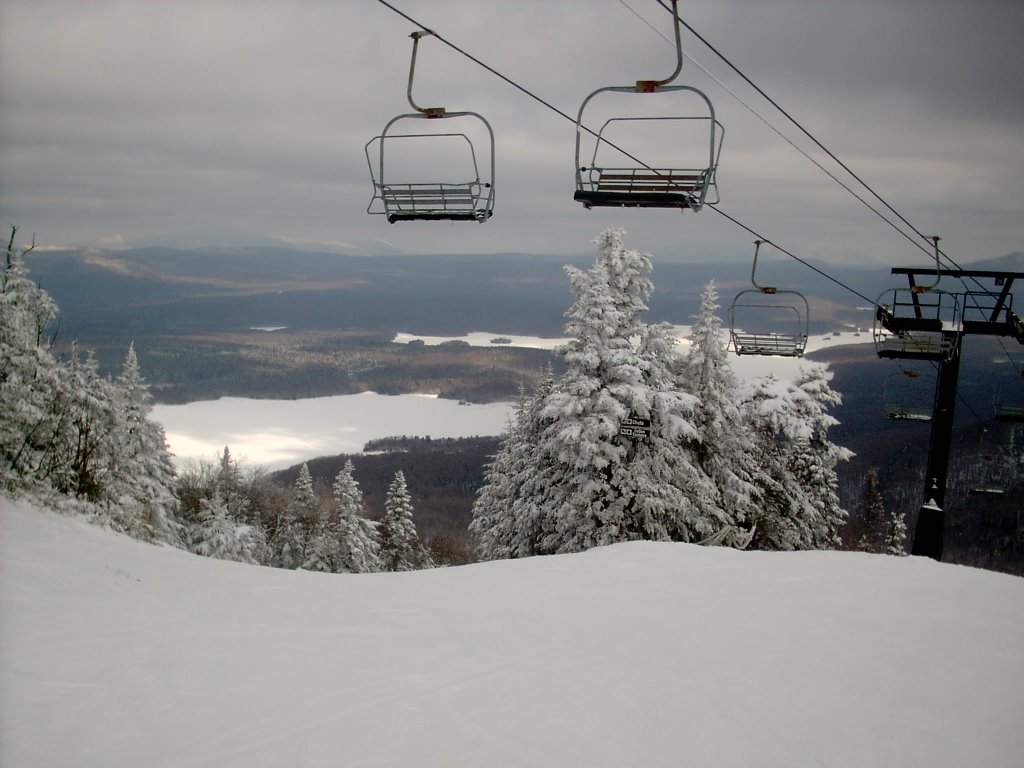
<point x="235" y="122"/>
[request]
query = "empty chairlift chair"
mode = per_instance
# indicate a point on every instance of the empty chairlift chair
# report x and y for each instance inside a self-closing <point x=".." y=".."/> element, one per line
<point x="919" y="322"/>
<point x="608" y="176"/>
<point x="990" y="484"/>
<point x="1006" y="410"/>
<point x="464" y="195"/>
<point x="907" y="396"/>
<point x="764" y="320"/>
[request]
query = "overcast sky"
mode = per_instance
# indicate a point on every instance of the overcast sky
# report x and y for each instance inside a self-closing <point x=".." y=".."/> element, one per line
<point x="161" y="122"/>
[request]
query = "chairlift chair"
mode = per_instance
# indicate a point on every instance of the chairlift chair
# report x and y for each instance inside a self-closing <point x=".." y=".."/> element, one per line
<point x="1005" y="411"/>
<point x="787" y="341"/>
<point x="449" y="199"/>
<point x="989" y="485"/>
<point x="917" y="323"/>
<point x="639" y="185"/>
<point x="901" y="399"/>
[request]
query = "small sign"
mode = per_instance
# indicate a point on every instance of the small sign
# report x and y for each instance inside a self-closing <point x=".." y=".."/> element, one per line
<point x="635" y="428"/>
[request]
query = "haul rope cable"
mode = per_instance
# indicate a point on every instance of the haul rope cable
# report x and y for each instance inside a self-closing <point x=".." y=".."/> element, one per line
<point x="566" y="116"/>
<point x="827" y="151"/>
<point x="556" y="110"/>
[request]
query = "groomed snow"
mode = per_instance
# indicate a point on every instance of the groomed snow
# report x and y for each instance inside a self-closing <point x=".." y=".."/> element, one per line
<point x="116" y="653"/>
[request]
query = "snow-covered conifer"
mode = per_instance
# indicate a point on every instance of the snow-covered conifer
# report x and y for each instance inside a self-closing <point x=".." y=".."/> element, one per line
<point x="33" y="401"/>
<point x="896" y="534"/>
<point x="602" y="487"/>
<point x="357" y="550"/>
<point x="724" y="450"/>
<point x="400" y="545"/>
<point x="297" y="522"/>
<point x="506" y="516"/>
<point x="799" y="507"/>
<point x="142" y="473"/>
<point x="220" y="536"/>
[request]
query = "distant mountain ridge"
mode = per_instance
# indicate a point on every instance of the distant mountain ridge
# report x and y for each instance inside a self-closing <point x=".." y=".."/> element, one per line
<point x="233" y="288"/>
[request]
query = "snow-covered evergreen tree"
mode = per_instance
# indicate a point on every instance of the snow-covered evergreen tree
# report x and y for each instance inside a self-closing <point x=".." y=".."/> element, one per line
<point x="297" y="523"/>
<point x="356" y="546"/>
<point x="33" y="396"/>
<point x="83" y="457"/>
<point x="815" y="465"/>
<point x="506" y="517"/>
<point x="896" y="534"/>
<point x="321" y="553"/>
<point x="229" y="475"/>
<point x="724" y="450"/>
<point x="219" y="535"/>
<point x="66" y="429"/>
<point x="601" y="487"/>
<point x="142" y="472"/>
<point x="799" y="507"/>
<point x="400" y="545"/>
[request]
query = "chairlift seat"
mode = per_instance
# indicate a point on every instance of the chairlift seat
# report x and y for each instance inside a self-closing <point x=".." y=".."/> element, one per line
<point x="916" y="347"/>
<point x="1009" y="412"/>
<point x="908" y="413"/>
<point x="435" y="202"/>
<point x="987" y="490"/>
<point x="644" y="188"/>
<point x="773" y="344"/>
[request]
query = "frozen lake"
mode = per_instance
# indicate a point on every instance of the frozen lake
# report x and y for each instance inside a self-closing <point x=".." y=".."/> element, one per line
<point x="279" y="433"/>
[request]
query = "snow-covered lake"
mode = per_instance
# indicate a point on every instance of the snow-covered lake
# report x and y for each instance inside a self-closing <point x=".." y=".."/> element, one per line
<point x="279" y="433"/>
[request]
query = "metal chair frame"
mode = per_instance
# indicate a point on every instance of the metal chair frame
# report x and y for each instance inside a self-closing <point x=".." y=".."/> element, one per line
<point x="770" y="343"/>
<point x="642" y="185"/>
<point x="466" y="200"/>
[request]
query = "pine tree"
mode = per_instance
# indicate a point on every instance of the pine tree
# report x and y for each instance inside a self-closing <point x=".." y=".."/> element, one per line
<point x="896" y="534"/>
<point x="602" y="488"/>
<point x="799" y="506"/>
<point x="83" y="461"/>
<point x="506" y="517"/>
<point x="33" y="395"/>
<point x="142" y="473"/>
<point x="220" y="536"/>
<point x="400" y="546"/>
<point x="297" y="523"/>
<point x="357" y="550"/>
<point x="321" y="553"/>
<point x="873" y="521"/>
<point x="724" y="450"/>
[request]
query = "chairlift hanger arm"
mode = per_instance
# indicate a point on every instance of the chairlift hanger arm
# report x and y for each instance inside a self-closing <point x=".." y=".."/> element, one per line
<point x="768" y="289"/>
<point x="426" y="111"/>
<point x="650" y="86"/>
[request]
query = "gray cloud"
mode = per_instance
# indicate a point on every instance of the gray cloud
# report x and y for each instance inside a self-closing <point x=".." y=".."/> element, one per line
<point x="239" y="122"/>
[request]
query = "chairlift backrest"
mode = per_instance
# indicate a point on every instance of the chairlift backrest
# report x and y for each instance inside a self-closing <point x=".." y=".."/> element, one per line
<point x="454" y="195"/>
<point x="633" y="183"/>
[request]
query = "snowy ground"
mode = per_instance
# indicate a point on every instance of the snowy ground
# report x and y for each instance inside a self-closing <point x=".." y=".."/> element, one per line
<point x="279" y="433"/>
<point x="115" y="653"/>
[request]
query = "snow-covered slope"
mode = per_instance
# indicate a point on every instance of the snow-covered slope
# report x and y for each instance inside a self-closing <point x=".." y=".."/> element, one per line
<point x="117" y="653"/>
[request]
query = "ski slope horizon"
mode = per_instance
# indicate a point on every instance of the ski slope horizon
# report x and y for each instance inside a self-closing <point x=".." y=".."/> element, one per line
<point x="118" y="653"/>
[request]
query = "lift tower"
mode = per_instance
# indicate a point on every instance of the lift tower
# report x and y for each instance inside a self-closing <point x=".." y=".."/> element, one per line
<point x="924" y="323"/>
